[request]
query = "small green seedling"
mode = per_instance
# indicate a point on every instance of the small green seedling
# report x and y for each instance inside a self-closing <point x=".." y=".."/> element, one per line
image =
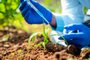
<point x="32" y="37"/>
<point x="44" y="34"/>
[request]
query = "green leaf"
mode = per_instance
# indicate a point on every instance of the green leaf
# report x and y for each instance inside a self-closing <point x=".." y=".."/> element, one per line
<point x="4" y="1"/>
<point x="65" y="40"/>
<point x="43" y="44"/>
<point x="40" y="44"/>
<point x="32" y="37"/>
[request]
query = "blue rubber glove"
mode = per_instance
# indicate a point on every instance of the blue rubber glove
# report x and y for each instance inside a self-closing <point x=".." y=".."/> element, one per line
<point x="30" y="14"/>
<point x="77" y="34"/>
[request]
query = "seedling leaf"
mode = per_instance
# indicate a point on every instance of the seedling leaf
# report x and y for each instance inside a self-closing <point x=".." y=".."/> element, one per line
<point x="32" y="37"/>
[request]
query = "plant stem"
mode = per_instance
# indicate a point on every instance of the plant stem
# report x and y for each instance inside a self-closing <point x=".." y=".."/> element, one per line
<point x="65" y="40"/>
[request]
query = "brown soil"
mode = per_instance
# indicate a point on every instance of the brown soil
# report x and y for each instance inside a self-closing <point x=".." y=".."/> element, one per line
<point x="14" y="46"/>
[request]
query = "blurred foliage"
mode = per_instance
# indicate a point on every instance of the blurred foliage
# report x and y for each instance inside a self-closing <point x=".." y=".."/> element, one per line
<point x="8" y="11"/>
<point x="53" y="5"/>
<point x="10" y="15"/>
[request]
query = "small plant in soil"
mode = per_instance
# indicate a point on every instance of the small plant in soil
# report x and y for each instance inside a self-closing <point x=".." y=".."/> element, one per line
<point x="43" y="35"/>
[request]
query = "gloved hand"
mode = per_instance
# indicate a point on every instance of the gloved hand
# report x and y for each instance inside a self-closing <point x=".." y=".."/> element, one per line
<point x="30" y="14"/>
<point x="77" y="34"/>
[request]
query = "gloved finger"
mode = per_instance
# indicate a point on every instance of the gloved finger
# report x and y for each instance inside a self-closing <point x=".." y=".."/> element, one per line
<point x="73" y="36"/>
<point x="31" y="13"/>
<point x="81" y="42"/>
<point x="46" y="13"/>
<point x="27" y="16"/>
<point x="26" y="9"/>
<point x="74" y="27"/>
<point x="65" y="31"/>
<point x="38" y="6"/>
<point x="77" y="42"/>
<point x="21" y="1"/>
<point x="22" y="5"/>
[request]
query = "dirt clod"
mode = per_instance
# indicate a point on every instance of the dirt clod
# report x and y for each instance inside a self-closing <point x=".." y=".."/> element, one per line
<point x="73" y="50"/>
<point x="57" y="55"/>
<point x="54" y="47"/>
<point x="85" y="53"/>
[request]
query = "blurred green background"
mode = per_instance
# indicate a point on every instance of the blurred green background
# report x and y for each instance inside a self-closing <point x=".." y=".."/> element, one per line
<point x="11" y="16"/>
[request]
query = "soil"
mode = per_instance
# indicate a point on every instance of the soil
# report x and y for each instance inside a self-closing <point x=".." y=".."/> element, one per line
<point x="14" y="46"/>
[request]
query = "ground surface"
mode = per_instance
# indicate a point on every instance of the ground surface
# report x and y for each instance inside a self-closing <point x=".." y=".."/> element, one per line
<point x="14" y="46"/>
